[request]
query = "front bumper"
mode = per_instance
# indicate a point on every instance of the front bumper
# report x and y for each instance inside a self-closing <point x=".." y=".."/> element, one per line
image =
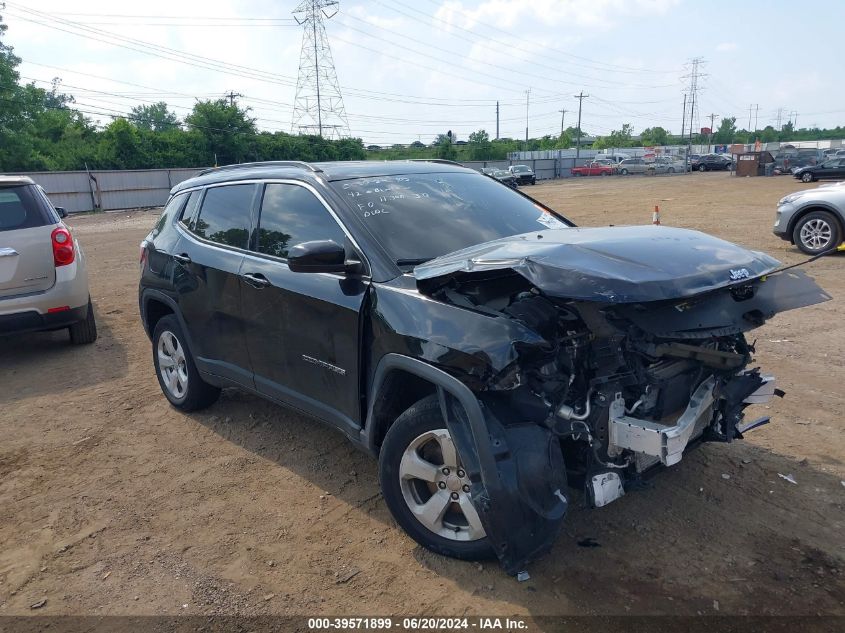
<point x="783" y="215"/>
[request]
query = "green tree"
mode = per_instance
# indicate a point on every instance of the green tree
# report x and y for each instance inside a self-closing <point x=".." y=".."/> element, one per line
<point x="156" y="117"/>
<point x="444" y="147"/>
<point x="726" y="131"/>
<point x="654" y="136"/>
<point x="225" y="129"/>
<point x="480" y="147"/>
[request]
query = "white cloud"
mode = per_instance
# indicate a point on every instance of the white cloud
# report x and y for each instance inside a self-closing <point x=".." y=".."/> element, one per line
<point x="726" y="47"/>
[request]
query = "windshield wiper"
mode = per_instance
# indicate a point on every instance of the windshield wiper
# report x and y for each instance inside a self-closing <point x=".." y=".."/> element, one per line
<point x="413" y="262"/>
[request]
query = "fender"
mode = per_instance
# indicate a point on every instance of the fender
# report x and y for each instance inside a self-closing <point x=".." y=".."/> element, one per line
<point x="517" y="470"/>
<point x="151" y="293"/>
<point x="809" y="207"/>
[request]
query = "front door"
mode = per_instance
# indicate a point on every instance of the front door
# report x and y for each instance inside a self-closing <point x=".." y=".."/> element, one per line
<point x="208" y="260"/>
<point x="302" y="329"/>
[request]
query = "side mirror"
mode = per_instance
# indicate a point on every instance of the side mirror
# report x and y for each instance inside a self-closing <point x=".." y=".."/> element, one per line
<point x="61" y="211"/>
<point x="319" y="256"/>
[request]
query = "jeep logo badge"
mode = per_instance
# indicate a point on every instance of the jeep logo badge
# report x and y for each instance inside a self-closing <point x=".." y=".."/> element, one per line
<point x="739" y="273"/>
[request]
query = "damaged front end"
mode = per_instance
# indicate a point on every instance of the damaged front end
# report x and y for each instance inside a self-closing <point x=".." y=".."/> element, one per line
<point x="639" y="360"/>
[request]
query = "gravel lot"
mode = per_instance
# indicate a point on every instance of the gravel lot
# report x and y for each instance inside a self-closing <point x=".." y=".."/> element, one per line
<point x="112" y="502"/>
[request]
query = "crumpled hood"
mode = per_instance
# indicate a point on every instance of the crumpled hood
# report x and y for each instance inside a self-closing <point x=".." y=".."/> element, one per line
<point x="625" y="264"/>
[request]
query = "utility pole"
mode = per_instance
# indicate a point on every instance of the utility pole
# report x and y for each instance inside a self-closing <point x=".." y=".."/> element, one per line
<point x="779" y="124"/>
<point x="581" y="96"/>
<point x="710" y="137"/>
<point x="232" y="95"/>
<point x="562" y="114"/>
<point x="527" y="101"/>
<point x="497" y="120"/>
<point x="684" y="127"/>
<point x="756" y="112"/>
<point x="318" y="106"/>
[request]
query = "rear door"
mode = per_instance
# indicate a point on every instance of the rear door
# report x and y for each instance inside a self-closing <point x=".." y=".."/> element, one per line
<point x="302" y="329"/>
<point x="26" y="250"/>
<point x="208" y="259"/>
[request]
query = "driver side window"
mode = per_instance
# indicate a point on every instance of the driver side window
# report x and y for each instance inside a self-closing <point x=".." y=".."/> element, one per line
<point x="290" y="215"/>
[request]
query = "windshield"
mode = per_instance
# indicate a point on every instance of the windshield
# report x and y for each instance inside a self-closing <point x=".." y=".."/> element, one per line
<point x="417" y="217"/>
<point x="521" y="168"/>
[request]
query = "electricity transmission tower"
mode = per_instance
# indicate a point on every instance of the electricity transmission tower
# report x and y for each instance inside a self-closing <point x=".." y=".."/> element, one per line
<point x="694" y="75"/>
<point x="318" y="106"/>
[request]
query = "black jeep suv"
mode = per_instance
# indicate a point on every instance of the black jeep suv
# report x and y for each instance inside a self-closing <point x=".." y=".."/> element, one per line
<point x="487" y="351"/>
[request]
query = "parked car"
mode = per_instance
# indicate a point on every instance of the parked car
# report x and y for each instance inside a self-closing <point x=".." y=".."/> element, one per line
<point x="813" y="219"/>
<point x="524" y="174"/>
<point x="615" y="159"/>
<point x="633" y="166"/>
<point x="667" y="165"/>
<point x="486" y="350"/>
<point x="506" y="177"/>
<point x="43" y="278"/>
<point x="594" y="168"/>
<point x="713" y="162"/>
<point x="833" y="168"/>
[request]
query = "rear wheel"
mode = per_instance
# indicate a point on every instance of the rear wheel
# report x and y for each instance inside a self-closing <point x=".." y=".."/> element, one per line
<point x="817" y="232"/>
<point x="671" y="170"/>
<point x="806" y="177"/>
<point x="702" y="168"/>
<point x="425" y="486"/>
<point x="175" y="368"/>
<point x="84" y="332"/>
<point x="623" y="171"/>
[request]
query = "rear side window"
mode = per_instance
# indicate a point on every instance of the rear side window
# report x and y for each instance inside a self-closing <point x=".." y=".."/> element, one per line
<point x="225" y="215"/>
<point x="290" y="215"/>
<point x="20" y="209"/>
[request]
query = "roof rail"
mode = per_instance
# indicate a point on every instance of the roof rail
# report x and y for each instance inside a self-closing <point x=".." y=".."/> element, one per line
<point x="265" y="163"/>
<point x="436" y="160"/>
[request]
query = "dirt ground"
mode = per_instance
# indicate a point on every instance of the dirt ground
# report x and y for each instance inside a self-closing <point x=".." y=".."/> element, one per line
<point x="112" y="502"/>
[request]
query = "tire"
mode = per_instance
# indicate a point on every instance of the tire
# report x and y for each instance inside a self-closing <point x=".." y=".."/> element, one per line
<point x="807" y="177"/>
<point x="181" y="382"/>
<point x="84" y="332"/>
<point x="414" y="439"/>
<point x="702" y="168"/>
<point x="816" y="232"/>
<point x="533" y="181"/>
<point x="671" y="170"/>
<point x="623" y="171"/>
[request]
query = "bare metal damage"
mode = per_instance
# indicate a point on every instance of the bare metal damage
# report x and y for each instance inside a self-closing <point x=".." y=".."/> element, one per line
<point x="618" y="359"/>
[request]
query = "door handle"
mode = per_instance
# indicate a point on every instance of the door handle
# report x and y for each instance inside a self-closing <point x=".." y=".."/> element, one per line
<point x="256" y="280"/>
<point x="182" y="259"/>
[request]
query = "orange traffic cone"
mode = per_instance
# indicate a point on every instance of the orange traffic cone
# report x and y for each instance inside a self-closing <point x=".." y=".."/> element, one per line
<point x="655" y="218"/>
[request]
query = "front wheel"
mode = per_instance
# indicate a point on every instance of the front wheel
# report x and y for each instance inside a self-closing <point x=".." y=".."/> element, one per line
<point x="426" y="488"/>
<point x="817" y="232"/>
<point x="175" y="368"/>
<point x="671" y="170"/>
<point x="624" y="172"/>
<point x="702" y="168"/>
<point x="807" y="177"/>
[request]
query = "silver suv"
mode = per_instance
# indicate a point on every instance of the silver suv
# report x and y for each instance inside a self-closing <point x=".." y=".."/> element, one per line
<point x="43" y="279"/>
<point x="812" y="219"/>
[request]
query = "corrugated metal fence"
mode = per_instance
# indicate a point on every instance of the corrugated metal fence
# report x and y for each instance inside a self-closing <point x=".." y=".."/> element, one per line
<point x="78" y="191"/>
<point x="106" y="190"/>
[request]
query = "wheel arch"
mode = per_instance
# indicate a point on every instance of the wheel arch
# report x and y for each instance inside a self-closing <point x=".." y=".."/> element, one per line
<point x="155" y="305"/>
<point x="383" y="401"/>
<point x="810" y="208"/>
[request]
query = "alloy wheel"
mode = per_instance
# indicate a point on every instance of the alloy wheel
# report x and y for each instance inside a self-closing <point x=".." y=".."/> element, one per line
<point x="816" y="234"/>
<point x="172" y="364"/>
<point x="437" y="489"/>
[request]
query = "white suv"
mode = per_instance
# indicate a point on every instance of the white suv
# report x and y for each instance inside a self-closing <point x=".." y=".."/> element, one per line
<point x="43" y="279"/>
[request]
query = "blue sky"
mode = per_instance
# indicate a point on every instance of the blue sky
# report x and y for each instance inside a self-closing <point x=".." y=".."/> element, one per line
<point x="410" y="69"/>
